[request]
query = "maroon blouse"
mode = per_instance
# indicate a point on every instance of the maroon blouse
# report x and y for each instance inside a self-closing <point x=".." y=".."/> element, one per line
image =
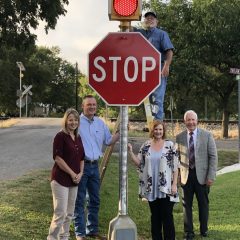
<point x="72" y="152"/>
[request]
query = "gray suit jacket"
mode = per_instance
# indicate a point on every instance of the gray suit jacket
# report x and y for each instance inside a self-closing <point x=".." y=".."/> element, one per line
<point x="206" y="158"/>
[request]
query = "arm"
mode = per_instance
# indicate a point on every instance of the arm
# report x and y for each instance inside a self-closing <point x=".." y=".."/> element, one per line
<point x="109" y="139"/>
<point x="115" y="138"/>
<point x="79" y="176"/>
<point x="212" y="160"/>
<point x="175" y="169"/>
<point x="134" y="158"/>
<point x="63" y="166"/>
<point x="167" y="63"/>
<point x="174" y="183"/>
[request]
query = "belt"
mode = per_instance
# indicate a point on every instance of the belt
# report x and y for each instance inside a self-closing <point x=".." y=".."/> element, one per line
<point x="91" y="162"/>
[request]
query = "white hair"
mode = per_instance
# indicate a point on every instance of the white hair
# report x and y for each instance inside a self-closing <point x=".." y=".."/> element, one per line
<point x="190" y="111"/>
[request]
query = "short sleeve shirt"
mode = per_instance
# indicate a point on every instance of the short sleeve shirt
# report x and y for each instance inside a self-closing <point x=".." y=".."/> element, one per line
<point x="72" y="152"/>
<point x="159" y="39"/>
<point x="94" y="133"/>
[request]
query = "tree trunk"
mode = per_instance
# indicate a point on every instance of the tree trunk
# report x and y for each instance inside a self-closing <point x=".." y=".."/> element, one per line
<point x="225" y="122"/>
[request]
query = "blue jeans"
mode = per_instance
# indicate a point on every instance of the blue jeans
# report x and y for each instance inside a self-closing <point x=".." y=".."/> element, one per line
<point x="156" y="100"/>
<point x="90" y="183"/>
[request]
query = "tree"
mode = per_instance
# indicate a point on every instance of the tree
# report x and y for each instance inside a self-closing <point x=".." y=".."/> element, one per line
<point x="206" y="39"/>
<point x="53" y="78"/>
<point x="9" y="80"/>
<point x="18" y="17"/>
<point x="217" y="35"/>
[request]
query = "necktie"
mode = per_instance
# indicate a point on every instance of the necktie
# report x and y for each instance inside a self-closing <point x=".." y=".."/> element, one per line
<point x="191" y="151"/>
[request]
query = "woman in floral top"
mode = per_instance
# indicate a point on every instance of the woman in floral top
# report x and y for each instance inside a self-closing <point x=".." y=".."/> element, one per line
<point x="157" y="161"/>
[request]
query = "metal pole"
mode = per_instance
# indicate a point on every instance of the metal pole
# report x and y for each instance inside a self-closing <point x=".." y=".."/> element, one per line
<point x="123" y="201"/>
<point x="205" y="107"/>
<point x="123" y="178"/>
<point x="21" y="68"/>
<point x="238" y="118"/>
<point x="122" y="227"/>
<point x="20" y="97"/>
<point x="76" y="87"/>
<point x="171" y="110"/>
<point x="26" y="104"/>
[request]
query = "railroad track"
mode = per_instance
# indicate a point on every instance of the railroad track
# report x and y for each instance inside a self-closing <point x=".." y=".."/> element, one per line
<point x="180" y="121"/>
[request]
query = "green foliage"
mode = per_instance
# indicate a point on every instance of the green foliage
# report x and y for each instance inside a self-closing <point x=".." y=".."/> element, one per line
<point x="53" y="79"/>
<point x="17" y="43"/>
<point x="206" y="39"/>
<point x="19" y="17"/>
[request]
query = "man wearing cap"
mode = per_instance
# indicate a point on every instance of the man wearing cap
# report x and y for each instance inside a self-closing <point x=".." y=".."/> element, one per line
<point x="161" y="41"/>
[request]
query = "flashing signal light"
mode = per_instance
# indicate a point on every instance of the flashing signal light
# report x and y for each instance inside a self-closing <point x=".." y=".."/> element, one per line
<point x="129" y="10"/>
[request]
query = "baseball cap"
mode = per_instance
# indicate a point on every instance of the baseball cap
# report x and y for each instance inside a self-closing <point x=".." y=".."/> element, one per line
<point x="150" y="13"/>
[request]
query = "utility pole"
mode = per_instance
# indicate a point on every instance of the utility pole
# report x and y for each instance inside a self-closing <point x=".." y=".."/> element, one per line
<point x="21" y="69"/>
<point x="236" y="71"/>
<point x="76" y="86"/>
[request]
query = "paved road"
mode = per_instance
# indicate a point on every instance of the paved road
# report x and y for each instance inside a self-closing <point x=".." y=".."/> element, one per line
<point x="28" y="146"/>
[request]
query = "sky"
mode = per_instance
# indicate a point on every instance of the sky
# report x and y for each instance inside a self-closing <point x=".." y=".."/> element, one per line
<point x="85" y="24"/>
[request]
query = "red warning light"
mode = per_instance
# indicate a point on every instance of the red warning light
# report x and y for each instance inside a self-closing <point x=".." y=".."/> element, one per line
<point x="125" y="8"/>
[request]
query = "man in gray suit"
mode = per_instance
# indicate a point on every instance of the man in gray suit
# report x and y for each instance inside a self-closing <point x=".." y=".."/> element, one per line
<point x="198" y="166"/>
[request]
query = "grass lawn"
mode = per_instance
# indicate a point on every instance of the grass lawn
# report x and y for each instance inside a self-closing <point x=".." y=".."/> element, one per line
<point x="26" y="206"/>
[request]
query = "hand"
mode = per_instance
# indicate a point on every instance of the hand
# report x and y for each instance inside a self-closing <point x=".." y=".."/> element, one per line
<point x="165" y="70"/>
<point x="174" y="189"/>
<point x="209" y="182"/>
<point x="130" y="148"/>
<point x="77" y="177"/>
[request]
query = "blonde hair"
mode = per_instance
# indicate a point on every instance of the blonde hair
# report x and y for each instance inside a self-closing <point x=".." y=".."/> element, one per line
<point x="65" y="117"/>
<point x="155" y="123"/>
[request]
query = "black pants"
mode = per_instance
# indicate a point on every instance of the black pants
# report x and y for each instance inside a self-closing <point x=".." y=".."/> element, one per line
<point x="201" y="191"/>
<point x="162" y="218"/>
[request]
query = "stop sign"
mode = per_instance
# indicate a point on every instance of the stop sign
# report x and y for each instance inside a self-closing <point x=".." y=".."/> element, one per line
<point x="124" y="68"/>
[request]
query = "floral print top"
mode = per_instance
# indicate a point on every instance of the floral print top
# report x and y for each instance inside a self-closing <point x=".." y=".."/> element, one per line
<point x="169" y="163"/>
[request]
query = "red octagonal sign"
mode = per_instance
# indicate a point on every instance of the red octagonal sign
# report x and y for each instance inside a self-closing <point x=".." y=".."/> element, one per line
<point x="124" y="68"/>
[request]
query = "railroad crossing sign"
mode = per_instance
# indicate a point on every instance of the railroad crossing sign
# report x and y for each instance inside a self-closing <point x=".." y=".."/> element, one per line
<point x="124" y="68"/>
<point x="27" y="90"/>
<point x="25" y="99"/>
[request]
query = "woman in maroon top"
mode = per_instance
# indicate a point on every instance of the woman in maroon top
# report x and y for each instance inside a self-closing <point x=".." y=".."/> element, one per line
<point x="68" y="154"/>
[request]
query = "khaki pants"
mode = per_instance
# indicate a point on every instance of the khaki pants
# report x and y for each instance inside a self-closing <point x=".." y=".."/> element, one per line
<point x="63" y="205"/>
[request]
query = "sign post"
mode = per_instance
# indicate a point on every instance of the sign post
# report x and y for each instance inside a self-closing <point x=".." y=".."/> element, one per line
<point x="236" y="71"/>
<point x="20" y="103"/>
<point x="124" y="68"/>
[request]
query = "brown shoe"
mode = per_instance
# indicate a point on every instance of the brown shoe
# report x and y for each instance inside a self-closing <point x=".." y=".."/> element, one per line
<point x="96" y="236"/>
